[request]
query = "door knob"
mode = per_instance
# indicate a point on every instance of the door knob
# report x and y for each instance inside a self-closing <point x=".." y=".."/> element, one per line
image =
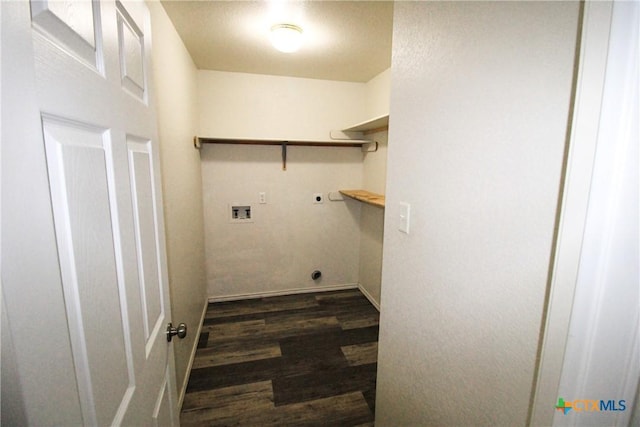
<point x="180" y="331"/>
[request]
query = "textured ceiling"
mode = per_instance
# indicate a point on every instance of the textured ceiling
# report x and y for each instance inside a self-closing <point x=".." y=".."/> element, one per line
<point x="343" y="40"/>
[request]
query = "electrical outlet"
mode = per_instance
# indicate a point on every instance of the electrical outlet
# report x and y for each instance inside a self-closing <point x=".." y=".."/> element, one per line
<point x="318" y="198"/>
<point x="262" y="197"/>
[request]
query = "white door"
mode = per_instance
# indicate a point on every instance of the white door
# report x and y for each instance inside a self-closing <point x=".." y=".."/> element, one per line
<point x="83" y="256"/>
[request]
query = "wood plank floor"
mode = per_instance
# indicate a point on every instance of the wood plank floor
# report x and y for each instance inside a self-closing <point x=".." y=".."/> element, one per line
<point x="296" y="360"/>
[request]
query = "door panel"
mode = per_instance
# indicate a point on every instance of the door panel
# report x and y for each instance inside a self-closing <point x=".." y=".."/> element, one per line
<point x="71" y="25"/>
<point x="80" y="192"/>
<point x="140" y="169"/>
<point x="131" y="54"/>
<point x="162" y="410"/>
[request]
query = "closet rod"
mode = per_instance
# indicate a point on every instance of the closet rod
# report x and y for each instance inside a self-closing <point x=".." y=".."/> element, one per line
<point x="198" y="141"/>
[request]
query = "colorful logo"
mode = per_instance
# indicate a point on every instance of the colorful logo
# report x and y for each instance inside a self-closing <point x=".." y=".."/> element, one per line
<point x="590" y="405"/>
<point x="563" y="406"/>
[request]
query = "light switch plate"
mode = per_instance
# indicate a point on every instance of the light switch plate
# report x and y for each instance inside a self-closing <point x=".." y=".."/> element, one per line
<point x="405" y="217"/>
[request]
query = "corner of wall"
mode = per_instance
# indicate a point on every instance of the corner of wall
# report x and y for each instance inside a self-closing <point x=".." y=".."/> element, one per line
<point x="377" y="94"/>
<point x="176" y="92"/>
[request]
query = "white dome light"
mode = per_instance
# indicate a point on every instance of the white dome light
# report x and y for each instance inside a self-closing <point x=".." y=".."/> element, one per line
<point x="286" y="37"/>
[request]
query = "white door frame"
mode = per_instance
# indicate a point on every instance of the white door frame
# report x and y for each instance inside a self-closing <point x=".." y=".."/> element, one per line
<point x="585" y="124"/>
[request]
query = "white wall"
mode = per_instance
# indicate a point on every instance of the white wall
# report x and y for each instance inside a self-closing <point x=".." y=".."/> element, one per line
<point x="374" y="165"/>
<point x="377" y="91"/>
<point x="372" y="218"/>
<point x="239" y="105"/>
<point x="479" y="106"/>
<point x="374" y="178"/>
<point x="290" y="236"/>
<point x="175" y="89"/>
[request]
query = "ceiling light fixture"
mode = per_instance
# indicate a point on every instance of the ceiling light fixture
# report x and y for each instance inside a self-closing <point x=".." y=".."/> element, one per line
<point x="286" y="37"/>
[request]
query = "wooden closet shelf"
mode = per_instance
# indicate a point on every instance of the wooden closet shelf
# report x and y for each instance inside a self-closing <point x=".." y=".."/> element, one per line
<point x="365" y="196"/>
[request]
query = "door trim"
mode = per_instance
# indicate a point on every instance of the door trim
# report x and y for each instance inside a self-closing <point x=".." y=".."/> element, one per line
<point x="577" y="183"/>
<point x="594" y="48"/>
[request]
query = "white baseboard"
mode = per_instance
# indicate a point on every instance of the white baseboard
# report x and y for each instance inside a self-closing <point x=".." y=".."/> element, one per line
<point x="183" y="389"/>
<point x="284" y="292"/>
<point x="375" y="303"/>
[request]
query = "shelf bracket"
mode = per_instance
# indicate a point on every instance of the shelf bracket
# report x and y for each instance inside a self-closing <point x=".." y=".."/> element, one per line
<point x="284" y="155"/>
<point x="366" y="148"/>
<point x="340" y="135"/>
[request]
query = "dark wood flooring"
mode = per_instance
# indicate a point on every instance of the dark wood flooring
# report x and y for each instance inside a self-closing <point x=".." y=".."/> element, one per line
<point x="295" y="360"/>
